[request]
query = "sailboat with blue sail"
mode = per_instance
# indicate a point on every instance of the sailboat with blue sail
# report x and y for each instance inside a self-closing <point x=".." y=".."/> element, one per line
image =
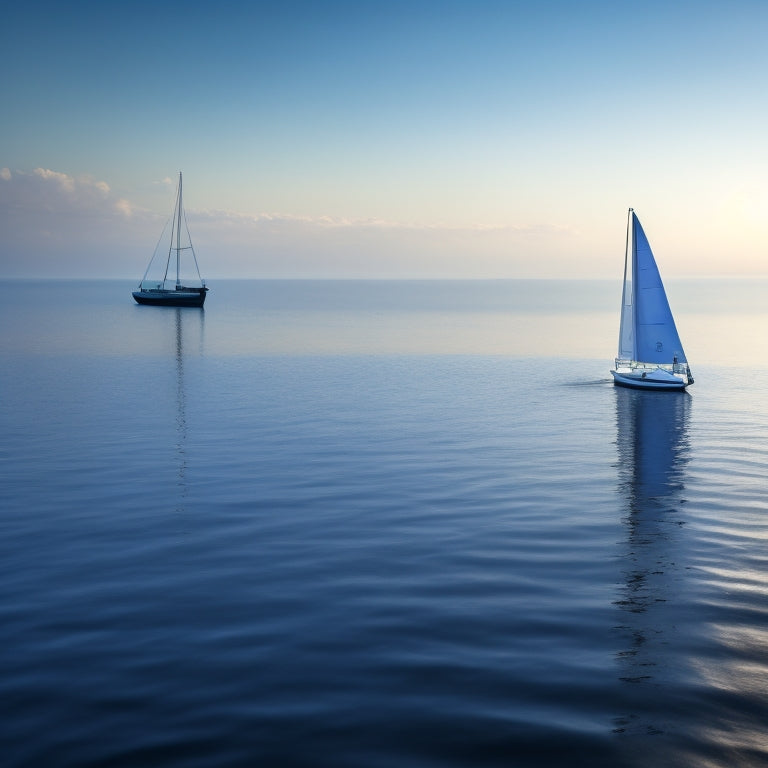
<point x="651" y="354"/>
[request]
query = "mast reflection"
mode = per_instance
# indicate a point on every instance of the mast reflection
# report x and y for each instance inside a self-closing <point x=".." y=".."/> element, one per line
<point x="183" y="317"/>
<point x="181" y="411"/>
<point x="653" y="448"/>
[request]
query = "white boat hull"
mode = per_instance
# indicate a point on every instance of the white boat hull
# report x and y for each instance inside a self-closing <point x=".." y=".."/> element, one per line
<point x="657" y="378"/>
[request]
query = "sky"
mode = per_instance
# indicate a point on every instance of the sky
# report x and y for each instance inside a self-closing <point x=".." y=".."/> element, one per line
<point x="398" y="139"/>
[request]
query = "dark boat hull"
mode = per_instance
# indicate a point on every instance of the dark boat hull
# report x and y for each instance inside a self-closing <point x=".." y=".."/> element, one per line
<point x="186" y="297"/>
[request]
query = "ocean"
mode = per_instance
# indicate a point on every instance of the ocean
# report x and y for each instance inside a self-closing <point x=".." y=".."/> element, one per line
<point x="380" y="524"/>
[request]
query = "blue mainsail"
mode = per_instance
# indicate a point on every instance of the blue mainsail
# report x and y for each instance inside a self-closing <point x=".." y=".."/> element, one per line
<point x="655" y="336"/>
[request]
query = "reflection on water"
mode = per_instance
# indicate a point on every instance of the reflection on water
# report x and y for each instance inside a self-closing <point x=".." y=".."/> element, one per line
<point x="380" y="561"/>
<point x="181" y="410"/>
<point x="188" y="317"/>
<point x="652" y="440"/>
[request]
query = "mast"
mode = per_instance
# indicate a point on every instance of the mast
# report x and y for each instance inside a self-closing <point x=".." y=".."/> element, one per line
<point x="178" y="234"/>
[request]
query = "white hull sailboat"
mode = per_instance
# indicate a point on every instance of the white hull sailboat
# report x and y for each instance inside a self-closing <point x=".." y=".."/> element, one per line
<point x="163" y="291"/>
<point x="651" y="355"/>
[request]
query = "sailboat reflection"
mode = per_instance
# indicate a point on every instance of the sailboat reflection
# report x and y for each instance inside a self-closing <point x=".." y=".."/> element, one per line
<point x="181" y="412"/>
<point x="183" y="318"/>
<point x="652" y="439"/>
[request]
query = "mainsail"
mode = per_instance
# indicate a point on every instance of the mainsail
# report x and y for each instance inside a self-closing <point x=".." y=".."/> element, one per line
<point x="648" y="333"/>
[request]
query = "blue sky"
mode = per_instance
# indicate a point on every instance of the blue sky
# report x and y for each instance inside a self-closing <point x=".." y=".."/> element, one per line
<point x="384" y="139"/>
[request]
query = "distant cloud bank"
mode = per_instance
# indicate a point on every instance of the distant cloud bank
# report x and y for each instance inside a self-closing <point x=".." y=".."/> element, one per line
<point x="336" y="222"/>
<point x="43" y="187"/>
<point x="54" y="224"/>
<point x="57" y="225"/>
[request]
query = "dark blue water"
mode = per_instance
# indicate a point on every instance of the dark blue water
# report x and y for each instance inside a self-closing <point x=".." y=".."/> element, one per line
<point x="375" y="524"/>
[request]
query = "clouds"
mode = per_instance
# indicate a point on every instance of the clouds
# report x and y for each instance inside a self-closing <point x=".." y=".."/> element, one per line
<point x="53" y="224"/>
<point x="43" y="189"/>
<point x="286" y="245"/>
<point x="57" y="225"/>
<point x="66" y="182"/>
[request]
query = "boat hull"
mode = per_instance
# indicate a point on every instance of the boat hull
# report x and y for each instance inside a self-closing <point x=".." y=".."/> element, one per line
<point x="658" y="380"/>
<point x="189" y="297"/>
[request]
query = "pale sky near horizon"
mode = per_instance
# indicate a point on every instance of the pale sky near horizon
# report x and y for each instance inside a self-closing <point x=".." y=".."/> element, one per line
<point x="384" y="139"/>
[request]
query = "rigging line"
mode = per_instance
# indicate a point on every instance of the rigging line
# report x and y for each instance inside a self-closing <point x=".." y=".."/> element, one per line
<point x="191" y="248"/>
<point x="154" y="253"/>
<point x="170" y="249"/>
<point x="173" y="232"/>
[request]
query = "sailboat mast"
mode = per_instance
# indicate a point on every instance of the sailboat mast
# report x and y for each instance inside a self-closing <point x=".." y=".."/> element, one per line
<point x="178" y="234"/>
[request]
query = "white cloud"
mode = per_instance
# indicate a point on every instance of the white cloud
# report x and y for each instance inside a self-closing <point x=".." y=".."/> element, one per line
<point x="67" y="182"/>
<point x="47" y="190"/>
<point x="124" y="206"/>
<point x="5" y="174"/>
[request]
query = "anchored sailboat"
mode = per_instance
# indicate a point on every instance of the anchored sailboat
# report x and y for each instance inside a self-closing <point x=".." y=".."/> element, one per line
<point x="156" y="291"/>
<point x="651" y="355"/>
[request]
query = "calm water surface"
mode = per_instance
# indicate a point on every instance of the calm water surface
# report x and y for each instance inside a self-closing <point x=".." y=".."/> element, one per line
<point x="379" y="524"/>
